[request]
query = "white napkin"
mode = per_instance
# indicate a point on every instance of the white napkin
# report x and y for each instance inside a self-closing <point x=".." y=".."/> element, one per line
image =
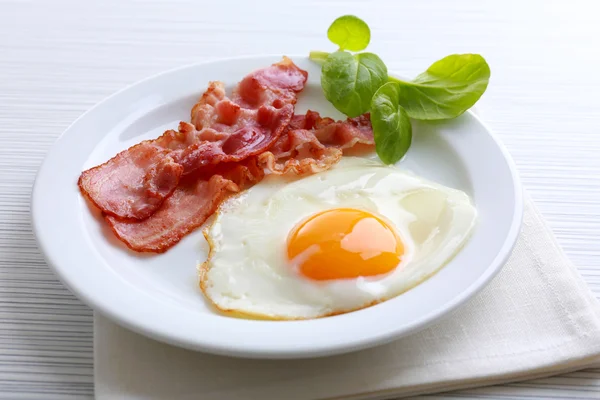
<point x="536" y="318"/>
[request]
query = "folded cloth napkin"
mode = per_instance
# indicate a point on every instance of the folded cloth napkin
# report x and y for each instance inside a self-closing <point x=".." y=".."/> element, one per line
<point x="536" y="318"/>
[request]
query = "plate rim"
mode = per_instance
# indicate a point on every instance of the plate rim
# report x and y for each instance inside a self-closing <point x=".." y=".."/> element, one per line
<point x="240" y="351"/>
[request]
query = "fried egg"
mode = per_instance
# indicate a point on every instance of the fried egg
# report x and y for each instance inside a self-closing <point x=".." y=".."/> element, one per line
<point x="331" y="243"/>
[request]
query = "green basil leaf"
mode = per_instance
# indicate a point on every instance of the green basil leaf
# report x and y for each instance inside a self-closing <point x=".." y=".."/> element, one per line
<point x="447" y="89"/>
<point x="350" y="33"/>
<point x="349" y="81"/>
<point x="391" y="125"/>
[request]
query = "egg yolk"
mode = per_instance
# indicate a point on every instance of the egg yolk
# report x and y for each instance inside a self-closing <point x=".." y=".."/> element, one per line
<point x="344" y="243"/>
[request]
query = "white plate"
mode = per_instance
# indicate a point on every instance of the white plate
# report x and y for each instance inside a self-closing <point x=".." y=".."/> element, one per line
<point x="158" y="295"/>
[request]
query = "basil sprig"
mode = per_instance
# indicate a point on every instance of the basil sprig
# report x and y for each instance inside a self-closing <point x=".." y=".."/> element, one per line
<point x="359" y="83"/>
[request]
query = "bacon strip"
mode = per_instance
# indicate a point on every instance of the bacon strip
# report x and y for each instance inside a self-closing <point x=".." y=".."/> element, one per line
<point x="249" y="133"/>
<point x="134" y="183"/>
<point x="341" y="134"/>
<point x="314" y="144"/>
<point x="276" y="85"/>
<point x="299" y="152"/>
<point x="190" y="205"/>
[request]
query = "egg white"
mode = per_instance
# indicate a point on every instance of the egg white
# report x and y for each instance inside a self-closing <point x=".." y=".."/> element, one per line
<point x="248" y="272"/>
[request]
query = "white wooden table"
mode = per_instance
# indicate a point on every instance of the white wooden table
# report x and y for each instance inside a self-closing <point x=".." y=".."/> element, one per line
<point x="58" y="58"/>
